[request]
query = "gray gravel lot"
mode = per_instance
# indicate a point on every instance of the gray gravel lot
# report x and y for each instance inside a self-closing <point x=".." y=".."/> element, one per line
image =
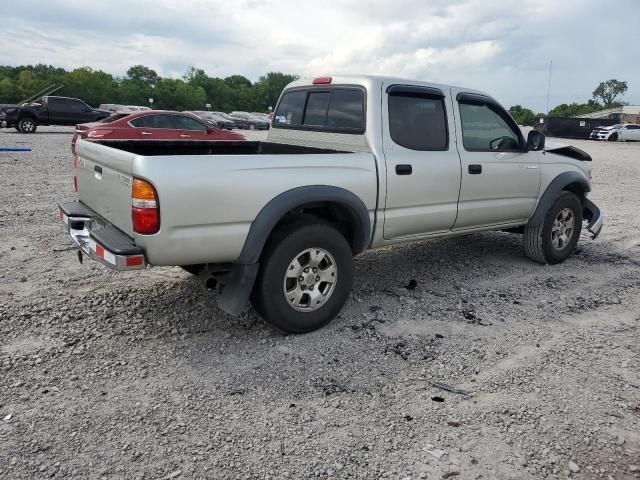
<point x="140" y="376"/>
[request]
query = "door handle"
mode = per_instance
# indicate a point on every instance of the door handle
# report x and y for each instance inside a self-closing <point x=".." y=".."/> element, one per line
<point x="147" y="133"/>
<point x="184" y="135"/>
<point x="475" y="169"/>
<point x="97" y="168"/>
<point x="404" y="169"/>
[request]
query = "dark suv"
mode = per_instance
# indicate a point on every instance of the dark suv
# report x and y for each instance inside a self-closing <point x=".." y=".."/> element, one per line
<point x="52" y="111"/>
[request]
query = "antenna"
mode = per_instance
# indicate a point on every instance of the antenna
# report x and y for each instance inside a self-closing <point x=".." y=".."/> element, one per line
<point x="549" y="86"/>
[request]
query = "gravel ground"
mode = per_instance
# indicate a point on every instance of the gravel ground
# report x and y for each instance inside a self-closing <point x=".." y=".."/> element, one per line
<point x="140" y="376"/>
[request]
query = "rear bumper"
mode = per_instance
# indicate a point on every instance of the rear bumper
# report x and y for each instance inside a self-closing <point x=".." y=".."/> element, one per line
<point x="100" y="240"/>
<point x="593" y="215"/>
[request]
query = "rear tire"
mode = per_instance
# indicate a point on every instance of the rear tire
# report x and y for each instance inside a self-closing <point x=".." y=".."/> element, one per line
<point x="27" y="125"/>
<point x="553" y="241"/>
<point x="305" y="277"/>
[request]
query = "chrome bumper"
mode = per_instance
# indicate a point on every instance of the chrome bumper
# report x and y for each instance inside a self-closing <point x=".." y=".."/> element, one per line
<point x="592" y="214"/>
<point x="89" y="232"/>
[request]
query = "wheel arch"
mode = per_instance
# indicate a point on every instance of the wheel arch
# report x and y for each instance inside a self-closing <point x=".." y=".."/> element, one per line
<point x="333" y="204"/>
<point x="322" y="201"/>
<point x="568" y="181"/>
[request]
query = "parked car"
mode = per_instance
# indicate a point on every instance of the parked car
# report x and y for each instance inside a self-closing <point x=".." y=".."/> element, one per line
<point x="217" y="120"/>
<point x="226" y="117"/>
<point x="262" y="116"/>
<point x="278" y="222"/>
<point x="248" y="121"/>
<point x="52" y="111"/>
<point x="151" y="125"/>
<point x="609" y="133"/>
<point x="629" y="133"/>
<point x="137" y="108"/>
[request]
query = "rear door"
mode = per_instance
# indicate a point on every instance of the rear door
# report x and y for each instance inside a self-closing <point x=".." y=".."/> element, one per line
<point x="153" y="127"/>
<point x="500" y="180"/>
<point x="57" y="109"/>
<point x="423" y="166"/>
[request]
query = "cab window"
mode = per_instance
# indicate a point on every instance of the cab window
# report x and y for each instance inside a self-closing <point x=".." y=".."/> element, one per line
<point x="417" y="122"/>
<point x="485" y="129"/>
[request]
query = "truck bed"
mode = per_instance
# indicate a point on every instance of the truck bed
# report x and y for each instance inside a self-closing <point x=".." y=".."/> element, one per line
<point x="210" y="192"/>
<point x="217" y="147"/>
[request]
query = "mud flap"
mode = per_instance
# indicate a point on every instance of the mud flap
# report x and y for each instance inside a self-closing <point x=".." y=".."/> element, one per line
<point x="237" y="289"/>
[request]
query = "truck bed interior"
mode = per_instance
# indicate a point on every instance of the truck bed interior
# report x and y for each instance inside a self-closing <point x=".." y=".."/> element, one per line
<point x="177" y="147"/>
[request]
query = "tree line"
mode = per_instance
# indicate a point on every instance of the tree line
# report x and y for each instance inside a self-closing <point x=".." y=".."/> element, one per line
<point x="605" y="96"/>
<point x="196" y="89"/>
<point x="191" y="92"/>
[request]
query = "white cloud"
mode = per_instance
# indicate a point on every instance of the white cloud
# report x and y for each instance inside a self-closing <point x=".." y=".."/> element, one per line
<point x="503" y="47"/>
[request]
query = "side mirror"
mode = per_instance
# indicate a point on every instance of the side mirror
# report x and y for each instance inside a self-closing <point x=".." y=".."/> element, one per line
<point x="535" y="141"/>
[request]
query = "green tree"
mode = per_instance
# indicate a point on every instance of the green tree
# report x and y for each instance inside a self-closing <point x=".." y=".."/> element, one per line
<point x="608" y="91"/>
<point x="143" y="75"/>
<point x="92" y="86"/>
<point x="269" y="87"/>
<point x="522" y="116"/>
<point x="575" y="109"/>
<point x="178" y="95"/>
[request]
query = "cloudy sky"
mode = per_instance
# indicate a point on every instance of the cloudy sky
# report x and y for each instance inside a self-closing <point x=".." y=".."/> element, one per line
<point x="500" y="46"/>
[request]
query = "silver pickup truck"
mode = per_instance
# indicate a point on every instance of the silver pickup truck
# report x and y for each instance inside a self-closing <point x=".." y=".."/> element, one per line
<point x="350" y="163"/>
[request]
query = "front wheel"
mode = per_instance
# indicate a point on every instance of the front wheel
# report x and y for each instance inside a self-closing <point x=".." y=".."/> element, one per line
<point x="306" y="274"/>
<point x="554" y="240"/>
<point x="27" y="125"/>
<point x="613" y="137"/>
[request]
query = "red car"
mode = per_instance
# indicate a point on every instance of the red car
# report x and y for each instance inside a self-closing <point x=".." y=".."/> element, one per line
<point x="151" y="125"/>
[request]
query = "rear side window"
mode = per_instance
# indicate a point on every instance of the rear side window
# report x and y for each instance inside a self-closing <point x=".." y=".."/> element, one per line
<point x="339" y="110"/>
<point x="418" y="122"/>
<point x="153" y="121"/>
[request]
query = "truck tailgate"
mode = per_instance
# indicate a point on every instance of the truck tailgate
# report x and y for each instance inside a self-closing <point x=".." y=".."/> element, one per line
<point x="104" y="182"/>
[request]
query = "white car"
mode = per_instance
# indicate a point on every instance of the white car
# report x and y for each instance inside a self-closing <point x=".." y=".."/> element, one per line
<point x="626" y="132"/>
<point x="629" y="132"/>
<point x="609" y="133"/>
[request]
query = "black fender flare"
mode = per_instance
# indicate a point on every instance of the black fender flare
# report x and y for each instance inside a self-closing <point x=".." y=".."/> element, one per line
<point x="280" y="205"/>
<point x="237" y="290"/>
<point x="553" y="190"/>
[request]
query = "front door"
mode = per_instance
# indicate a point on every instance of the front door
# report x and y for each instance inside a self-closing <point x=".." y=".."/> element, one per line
<point x="500" y="179"/>
<point x="423" y="167"/>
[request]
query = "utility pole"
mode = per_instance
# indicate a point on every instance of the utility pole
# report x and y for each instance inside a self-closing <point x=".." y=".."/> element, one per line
<point x="549" y="86"/>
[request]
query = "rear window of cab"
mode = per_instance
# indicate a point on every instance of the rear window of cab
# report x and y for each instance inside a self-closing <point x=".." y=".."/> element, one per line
<point x="334" y="109"/>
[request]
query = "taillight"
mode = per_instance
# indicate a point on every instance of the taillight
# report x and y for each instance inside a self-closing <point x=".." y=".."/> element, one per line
<point x="145" y="212"/>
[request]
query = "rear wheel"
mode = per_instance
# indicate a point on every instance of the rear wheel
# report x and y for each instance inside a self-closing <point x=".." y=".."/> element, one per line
<point x="27" y="125"/>
<point x="554" y="240"/>
<point x="306" y="274"/>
